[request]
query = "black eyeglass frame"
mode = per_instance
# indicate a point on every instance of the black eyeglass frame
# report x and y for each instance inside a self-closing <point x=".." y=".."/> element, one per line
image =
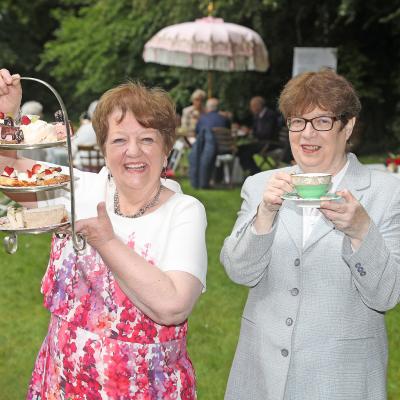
<point x="334" y="118"/>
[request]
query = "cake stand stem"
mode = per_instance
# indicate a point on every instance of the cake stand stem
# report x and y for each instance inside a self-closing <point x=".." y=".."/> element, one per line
<point x="78" y="241"/>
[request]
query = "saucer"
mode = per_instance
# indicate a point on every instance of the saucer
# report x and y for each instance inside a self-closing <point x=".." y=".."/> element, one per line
<point x="311" y="203"/>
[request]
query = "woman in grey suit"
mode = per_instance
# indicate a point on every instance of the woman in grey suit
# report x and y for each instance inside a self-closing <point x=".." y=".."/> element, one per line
<point x="320" y="280"/>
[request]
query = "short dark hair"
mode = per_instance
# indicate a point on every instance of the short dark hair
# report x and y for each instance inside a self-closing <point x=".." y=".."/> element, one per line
<point x="324" y="89"/>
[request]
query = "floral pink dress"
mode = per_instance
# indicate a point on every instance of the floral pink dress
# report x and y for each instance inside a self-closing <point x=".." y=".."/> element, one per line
<point x="99" y="345"/>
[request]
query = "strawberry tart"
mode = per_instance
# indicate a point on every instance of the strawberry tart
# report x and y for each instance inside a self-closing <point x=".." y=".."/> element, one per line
<point x="39" y="175"/>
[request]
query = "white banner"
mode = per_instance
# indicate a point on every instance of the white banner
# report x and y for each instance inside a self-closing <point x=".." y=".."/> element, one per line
<point x="313" y="59"/>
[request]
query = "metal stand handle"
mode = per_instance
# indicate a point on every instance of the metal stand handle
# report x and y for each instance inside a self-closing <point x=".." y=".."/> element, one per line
<point x="78" y="240"/>
<point x="11" y="243"/>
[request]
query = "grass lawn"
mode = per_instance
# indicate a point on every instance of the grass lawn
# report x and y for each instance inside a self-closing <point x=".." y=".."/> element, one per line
<point x="213" y="327"/>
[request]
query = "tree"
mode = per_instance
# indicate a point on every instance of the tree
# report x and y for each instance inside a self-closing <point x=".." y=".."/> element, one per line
<point x="25" y="28"/>
<point x="96" y="44"/>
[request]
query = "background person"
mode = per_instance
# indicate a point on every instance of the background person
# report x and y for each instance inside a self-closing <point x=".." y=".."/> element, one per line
<point x="192" y="113"/>
<point x="32" y="108"/>
<point x="320" y="280"/>
<point x="85" y="135"/>
<point x="264" y="130"/>
<point x="212" y="118"/>
<point x="119" y="308"/>
<point x="204" y="150"/>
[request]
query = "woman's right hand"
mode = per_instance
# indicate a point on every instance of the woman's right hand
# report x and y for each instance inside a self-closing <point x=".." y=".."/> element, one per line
<point x="280" y="183"/>
<point x="10" y="92"/>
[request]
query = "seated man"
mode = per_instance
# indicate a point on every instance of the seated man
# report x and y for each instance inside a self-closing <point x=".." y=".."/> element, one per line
<point x="204" y="150"/>
<point x="265" y="129"/>
<point x="212" y="117"/>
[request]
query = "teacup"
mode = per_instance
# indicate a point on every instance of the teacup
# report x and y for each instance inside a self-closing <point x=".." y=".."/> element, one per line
<point x="311" y="185"/>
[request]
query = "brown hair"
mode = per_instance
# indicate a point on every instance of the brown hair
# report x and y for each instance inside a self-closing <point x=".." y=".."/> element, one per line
<point x="153" y="108"/>
<point x="324" y="89"/>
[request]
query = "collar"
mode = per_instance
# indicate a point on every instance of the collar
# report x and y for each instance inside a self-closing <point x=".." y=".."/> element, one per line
<point x="336" y="179"/>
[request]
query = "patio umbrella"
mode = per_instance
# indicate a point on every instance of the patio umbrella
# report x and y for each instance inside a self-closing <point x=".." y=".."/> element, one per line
<point x="208" y="44"/>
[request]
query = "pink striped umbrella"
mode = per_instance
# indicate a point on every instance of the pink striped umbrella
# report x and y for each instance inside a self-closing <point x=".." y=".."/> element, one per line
<point x="208" y="44"/>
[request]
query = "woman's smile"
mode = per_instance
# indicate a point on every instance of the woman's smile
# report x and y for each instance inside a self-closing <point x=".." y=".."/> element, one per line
<point x="135" y="167"/>
<point x="310" y="149"/>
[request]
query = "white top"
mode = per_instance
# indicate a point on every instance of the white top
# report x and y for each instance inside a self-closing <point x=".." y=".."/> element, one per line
<point x="172" y="237"/>
<point x="311" y="215"/>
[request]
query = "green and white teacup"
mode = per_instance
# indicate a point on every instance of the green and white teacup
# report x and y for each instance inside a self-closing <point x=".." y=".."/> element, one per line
<point x="311" y="185"/>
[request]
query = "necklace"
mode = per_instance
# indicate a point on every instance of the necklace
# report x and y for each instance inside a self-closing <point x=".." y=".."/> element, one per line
<point x="138" y="214"/>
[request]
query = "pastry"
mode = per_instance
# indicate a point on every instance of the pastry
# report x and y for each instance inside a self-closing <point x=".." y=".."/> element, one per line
<point x="39" y="175"/>
<point x="39" y="132"/>
<point x="32" y="130"/>
<point x="9" y="134"/>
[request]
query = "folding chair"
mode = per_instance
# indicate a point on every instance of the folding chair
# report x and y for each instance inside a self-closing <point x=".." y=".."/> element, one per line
<point x="226" y="150"/>
<point x="89" y="158"/>
<point x="176" y="155"/>
<point x="276" y="154"/>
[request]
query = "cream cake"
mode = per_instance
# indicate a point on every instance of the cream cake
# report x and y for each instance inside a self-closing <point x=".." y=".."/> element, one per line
<point x="30" y="218"/>
<point x="39" y="132"/>
<point x="32" y="130"/>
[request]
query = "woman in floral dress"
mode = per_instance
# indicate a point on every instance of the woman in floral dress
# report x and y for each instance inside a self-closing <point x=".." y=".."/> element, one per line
<point x="119" y="308"/>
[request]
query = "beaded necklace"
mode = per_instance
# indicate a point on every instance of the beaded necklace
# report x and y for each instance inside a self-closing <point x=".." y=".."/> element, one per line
<point x="142" y="210"/>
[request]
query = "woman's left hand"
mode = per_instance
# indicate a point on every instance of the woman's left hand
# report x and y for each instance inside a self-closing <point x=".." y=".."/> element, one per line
<point x="97" y="231"/>
<point x="349" y="217"/>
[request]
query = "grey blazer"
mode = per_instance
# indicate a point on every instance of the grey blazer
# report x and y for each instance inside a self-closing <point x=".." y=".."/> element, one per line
<point x="313" y="325"/>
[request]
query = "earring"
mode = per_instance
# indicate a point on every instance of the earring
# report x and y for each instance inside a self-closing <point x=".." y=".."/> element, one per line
<point x="109" y="176"/>
<point x="164" y="174"/>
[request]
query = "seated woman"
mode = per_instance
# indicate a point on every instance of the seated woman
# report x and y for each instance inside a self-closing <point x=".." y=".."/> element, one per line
<point x="119" y="308"/>
<point x="192" y="113"/>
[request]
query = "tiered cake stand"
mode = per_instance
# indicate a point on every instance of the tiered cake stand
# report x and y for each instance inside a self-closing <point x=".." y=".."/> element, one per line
<point x="11" y="239"/>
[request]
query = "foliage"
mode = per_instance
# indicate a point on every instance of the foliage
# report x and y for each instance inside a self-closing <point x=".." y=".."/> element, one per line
<point x="88" y="46"/>
<point x="101" y="45"/>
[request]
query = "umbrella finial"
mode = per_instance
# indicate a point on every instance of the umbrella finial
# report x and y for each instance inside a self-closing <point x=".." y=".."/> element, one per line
<point x="210" y="8"/>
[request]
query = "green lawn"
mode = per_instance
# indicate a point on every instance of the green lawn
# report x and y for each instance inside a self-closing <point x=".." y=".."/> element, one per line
<point x="214" y="323"/>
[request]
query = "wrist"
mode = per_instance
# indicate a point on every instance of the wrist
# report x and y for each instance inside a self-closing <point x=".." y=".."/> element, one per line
<point x="264" y="219"/>
<point x="356" y="240"/>
<point x="108" y="244"/>
<point x="265" y="211"/>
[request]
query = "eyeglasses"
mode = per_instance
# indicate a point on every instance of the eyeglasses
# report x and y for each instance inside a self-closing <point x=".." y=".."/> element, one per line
<point x="321" y="123"/>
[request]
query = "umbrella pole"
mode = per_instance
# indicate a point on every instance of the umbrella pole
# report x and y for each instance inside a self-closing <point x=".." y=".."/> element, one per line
<point x="209" y="84"/>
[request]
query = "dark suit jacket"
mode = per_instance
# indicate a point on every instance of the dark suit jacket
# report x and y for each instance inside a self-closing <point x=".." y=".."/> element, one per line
<point x="211" y="120"/>
<point x="265" y="127"/>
